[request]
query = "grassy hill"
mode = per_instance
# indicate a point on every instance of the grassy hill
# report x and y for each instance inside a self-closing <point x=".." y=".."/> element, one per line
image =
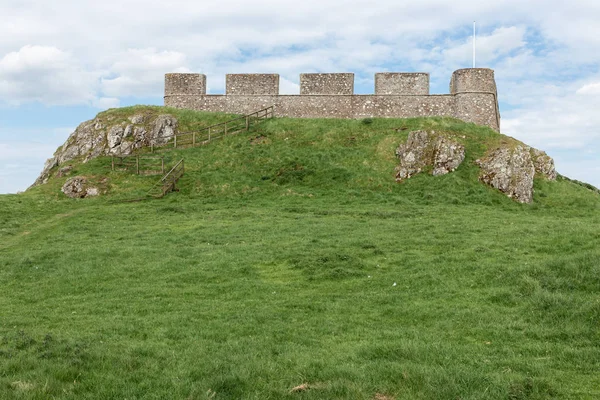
<point x="291" y="257"/>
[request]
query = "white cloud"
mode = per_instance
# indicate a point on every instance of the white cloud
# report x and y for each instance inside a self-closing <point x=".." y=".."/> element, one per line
<point x="501" y="42"/>
<point x="557" y="124"/>
<point x="25" y="151"/>
<point x="104" y="103"/>
<point x="288" y="87"/>
<point x="140" y="72"/>
<point x="45" y="74"/>
<point x="590" y="89"/>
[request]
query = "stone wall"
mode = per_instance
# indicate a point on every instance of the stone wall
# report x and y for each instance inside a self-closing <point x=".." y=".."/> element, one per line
<point x="473" y="80"/>
<point x="251" y="84"/>
<point x="472" y="98"/>
<point x="402" y="83"/>
<point x="332" y="84"/>
<point x="185" y="84"/>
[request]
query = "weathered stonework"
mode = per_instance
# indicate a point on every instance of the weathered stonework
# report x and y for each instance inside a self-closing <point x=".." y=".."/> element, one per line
<point x="252" y="84"/>
<point x="401" y="83"/>
<point x="332" y="84"/>
<point x="472" y="98"/>
<point x="473" y="80"/>
<point x="185" y="84"/>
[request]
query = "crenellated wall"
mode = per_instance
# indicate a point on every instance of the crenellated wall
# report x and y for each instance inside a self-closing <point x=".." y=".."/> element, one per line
<point x="251" y="84"/>
<point x="402" y="83"/>
<point x="331" y="84"/>
<point x="472" y="97"/>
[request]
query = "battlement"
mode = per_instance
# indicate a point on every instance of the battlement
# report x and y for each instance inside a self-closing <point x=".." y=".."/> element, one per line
<point x="472" y="97"/>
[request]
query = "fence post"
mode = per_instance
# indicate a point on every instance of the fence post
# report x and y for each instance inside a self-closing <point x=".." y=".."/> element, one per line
<point x="175" y="141"/>
<point x="137" y="165"/>
<point x="247" y="122"/>
<point x="193" y="139"/>
<point x="209" y="133"/>
<point x="225" y="129"/>
<point x="151" y="147"/>
<point x="162" y="165"/>
<point x="113" y="162"/>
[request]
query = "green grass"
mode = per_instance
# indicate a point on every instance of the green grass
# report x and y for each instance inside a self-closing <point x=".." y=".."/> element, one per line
<point x="275" y="264"/>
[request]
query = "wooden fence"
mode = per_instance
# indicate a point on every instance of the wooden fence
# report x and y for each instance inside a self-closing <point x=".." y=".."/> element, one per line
<point x="218" y="131"/>
<point x="167" y="183"/>
<point x="142" y="165"/>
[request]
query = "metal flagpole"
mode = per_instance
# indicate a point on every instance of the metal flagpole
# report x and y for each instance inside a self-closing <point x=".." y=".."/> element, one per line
<point x="474" y="22"/>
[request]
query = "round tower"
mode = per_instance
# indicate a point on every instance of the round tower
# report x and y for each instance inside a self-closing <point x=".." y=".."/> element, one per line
<point x="473" y="80"/>
<point x="475" y="94"/>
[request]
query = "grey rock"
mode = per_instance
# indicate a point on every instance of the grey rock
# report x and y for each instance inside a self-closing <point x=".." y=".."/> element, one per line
<point x="45" y="174"/>
<point x="75" y="187"/>
<point x="448" y="156"/>
<point x="137" y="119"/>
<point x="91" y="192"/>
<point x="128" y="131"/>
<point x="100" y="137"/>
<point x="115" y="135"/>
<point x="509" y="170"/>
<point x="543" y="164"/>
<point x="139" y="134"/>
<point x="423" y="149"/>
<point x="164" y="128"/>
<point x="68" y="153"/>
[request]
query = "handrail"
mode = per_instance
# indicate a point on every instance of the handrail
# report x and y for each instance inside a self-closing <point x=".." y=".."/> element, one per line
<point x="140" y="163"/>
<point x="221" y="129"/>
<point x="172" y="169"/>
<point x="168" y="180"/>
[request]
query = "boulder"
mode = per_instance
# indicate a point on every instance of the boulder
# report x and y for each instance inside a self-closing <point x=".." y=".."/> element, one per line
<point x="137" y="119"/>
<point x="114" y="136"/>
<point x="510" y="170"/>
<point x="543" y="164"/>
<point x="77" y="187"/>
<point x="92" y="191"/>
<point x="165" y="127"/>
<point x="428" y="149"/>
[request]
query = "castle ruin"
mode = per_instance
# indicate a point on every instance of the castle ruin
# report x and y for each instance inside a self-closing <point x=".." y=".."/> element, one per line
<point x="472" y="98"/>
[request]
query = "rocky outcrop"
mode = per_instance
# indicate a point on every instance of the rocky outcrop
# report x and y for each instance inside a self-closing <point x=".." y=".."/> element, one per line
<point x="543" y="164"/>
<point x="511" y="169"/>
<point x="428" y="149"/>
<point x="106" y="136"/>
<point x="78" y="187"/>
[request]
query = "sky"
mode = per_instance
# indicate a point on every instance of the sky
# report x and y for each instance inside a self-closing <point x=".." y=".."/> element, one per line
<point x="63" y="61"/>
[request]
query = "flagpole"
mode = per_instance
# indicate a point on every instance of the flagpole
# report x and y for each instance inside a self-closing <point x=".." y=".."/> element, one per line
<point x="474" y="22"/>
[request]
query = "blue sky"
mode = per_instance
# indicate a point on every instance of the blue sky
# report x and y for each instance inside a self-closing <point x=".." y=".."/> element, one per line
<point x="62" y="62"/>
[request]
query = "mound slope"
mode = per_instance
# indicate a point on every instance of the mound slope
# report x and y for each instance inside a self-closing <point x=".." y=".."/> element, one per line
<point x="291" y="264"/>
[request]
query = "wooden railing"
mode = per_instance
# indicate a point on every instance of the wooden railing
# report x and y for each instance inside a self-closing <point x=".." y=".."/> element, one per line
<point x="147" y="165"/>
<point x="167" y="183"/>
<point x="142" y="165"/>
<point x="217" y="131"/>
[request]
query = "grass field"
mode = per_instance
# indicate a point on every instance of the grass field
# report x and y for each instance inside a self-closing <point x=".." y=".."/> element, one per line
<point x="291" y="257"/>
